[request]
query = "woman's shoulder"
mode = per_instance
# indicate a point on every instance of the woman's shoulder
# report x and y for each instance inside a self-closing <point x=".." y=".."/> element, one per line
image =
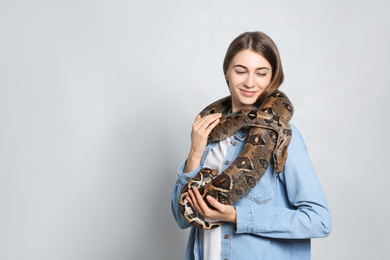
<point x="298" y="163"/>
<point x="295" y="132"/>
<point x="297" y="142"/>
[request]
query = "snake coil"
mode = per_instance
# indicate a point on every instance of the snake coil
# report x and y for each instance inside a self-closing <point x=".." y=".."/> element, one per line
<point x="269" y="136"/>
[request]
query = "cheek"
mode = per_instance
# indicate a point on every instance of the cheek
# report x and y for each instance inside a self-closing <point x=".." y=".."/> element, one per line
<point x="232" y="82"/>
<point x="265" y="82"/>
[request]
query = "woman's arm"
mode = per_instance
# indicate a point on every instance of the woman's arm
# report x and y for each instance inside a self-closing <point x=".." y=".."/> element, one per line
<point x="308" y="215"/>
<point x="182" y="180"/>
<point x="201" y="129"/>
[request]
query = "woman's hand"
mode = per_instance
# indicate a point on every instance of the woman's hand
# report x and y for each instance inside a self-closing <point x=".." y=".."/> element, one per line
<point x="221" y="212"/>
<point x="201" y="129"/>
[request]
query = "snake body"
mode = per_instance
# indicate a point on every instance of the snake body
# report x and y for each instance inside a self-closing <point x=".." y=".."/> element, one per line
<point x="269" y="137"/>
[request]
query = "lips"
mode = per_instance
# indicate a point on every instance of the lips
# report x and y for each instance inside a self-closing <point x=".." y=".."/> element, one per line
<point x="248" y="93"/>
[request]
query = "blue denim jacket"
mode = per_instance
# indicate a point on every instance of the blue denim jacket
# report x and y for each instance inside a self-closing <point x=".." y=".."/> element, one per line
<point x="277" y="218"/>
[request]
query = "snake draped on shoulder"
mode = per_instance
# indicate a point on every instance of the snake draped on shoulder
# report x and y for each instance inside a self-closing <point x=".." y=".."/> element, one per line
<point x="269" y="137"/>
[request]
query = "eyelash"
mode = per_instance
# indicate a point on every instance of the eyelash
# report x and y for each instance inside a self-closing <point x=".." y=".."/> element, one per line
<point x="259" y="74"/>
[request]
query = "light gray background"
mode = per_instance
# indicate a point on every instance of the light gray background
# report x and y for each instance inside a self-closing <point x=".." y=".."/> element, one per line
<point x="97" y="100"/>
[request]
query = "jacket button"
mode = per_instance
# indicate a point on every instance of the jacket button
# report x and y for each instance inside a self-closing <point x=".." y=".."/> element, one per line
<point x="227" y="163"/>
<point x="226" y="236"/>
<point x="235" y="143"/>
<point x="188" y="178"/>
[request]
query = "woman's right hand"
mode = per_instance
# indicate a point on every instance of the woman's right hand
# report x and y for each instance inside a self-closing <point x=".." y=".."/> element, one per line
<point x="201" y="129"/>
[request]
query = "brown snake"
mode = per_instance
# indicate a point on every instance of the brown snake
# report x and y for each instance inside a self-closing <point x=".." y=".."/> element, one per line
<point x="269" y="135"/>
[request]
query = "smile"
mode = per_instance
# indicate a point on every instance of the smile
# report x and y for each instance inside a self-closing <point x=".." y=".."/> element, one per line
<point x="247" y="93"/>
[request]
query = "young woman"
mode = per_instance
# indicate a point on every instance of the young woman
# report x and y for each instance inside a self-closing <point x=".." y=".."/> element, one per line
<point x="280" y="214"/>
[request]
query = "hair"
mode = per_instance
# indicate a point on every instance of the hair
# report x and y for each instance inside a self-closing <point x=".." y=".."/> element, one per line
<point x="265" y="46"/>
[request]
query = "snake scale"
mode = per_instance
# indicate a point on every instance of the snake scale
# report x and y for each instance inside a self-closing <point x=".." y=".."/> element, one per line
<point x="269" y="137"/>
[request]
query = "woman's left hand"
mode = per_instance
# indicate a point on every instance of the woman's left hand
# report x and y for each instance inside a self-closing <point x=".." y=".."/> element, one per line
<point x="221" y="212"/>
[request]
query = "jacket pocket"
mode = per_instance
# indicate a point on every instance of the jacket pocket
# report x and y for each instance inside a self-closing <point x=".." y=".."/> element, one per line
<point x="264" y="190"/>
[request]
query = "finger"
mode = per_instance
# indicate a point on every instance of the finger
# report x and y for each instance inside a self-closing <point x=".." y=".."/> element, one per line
<point x="201" y="203"/>
<point x="208" y="120"/>
<point x="188" y="198"/>
<point x="199" y="200"/>
<point x="195" y="202"/>
<point x="197" y="118"/>
<point x="192" y="203"/>
<point x="215" y="203"/>
<point x="212" y="125"/>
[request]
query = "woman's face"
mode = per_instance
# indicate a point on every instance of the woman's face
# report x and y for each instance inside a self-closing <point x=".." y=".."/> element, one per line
<point x="249" y="74"/>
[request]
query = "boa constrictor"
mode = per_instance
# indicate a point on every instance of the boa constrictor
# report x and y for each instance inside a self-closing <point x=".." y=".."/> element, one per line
<point x="269" y="135"/>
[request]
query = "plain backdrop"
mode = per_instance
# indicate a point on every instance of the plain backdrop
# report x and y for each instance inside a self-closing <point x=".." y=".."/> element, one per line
<point x="97" y="99"/>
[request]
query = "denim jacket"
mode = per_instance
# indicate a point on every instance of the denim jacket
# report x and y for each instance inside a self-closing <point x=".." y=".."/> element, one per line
<point x="277" y="218"/>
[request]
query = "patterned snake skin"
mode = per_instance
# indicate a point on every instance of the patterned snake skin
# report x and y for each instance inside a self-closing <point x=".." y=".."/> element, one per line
<point x="270" y="135"/>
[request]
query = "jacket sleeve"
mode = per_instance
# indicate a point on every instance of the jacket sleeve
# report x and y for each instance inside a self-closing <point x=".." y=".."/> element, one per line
<point x="306" y="216"/>
<point x="182" y="180"/>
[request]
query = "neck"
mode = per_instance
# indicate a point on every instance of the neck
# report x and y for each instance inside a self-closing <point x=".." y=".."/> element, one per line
<point x="237" y="108"/>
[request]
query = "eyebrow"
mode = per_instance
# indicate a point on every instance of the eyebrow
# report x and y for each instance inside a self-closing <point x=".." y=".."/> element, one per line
<point x="241" y="66"/>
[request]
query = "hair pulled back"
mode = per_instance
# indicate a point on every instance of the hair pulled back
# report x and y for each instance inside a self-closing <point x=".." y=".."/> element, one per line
<point x="264" y="45"/>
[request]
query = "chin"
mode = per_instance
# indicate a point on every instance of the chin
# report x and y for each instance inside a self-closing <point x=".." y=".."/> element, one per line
<point x="249" y="101"/>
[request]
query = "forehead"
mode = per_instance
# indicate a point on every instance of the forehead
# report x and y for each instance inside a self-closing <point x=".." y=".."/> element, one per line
<point x="250" y="59"/>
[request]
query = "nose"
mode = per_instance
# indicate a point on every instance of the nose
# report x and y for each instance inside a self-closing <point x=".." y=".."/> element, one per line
<point x="249" y="81"/>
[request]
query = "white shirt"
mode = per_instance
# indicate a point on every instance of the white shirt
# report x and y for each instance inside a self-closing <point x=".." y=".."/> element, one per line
<point x="214" y="160"/>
